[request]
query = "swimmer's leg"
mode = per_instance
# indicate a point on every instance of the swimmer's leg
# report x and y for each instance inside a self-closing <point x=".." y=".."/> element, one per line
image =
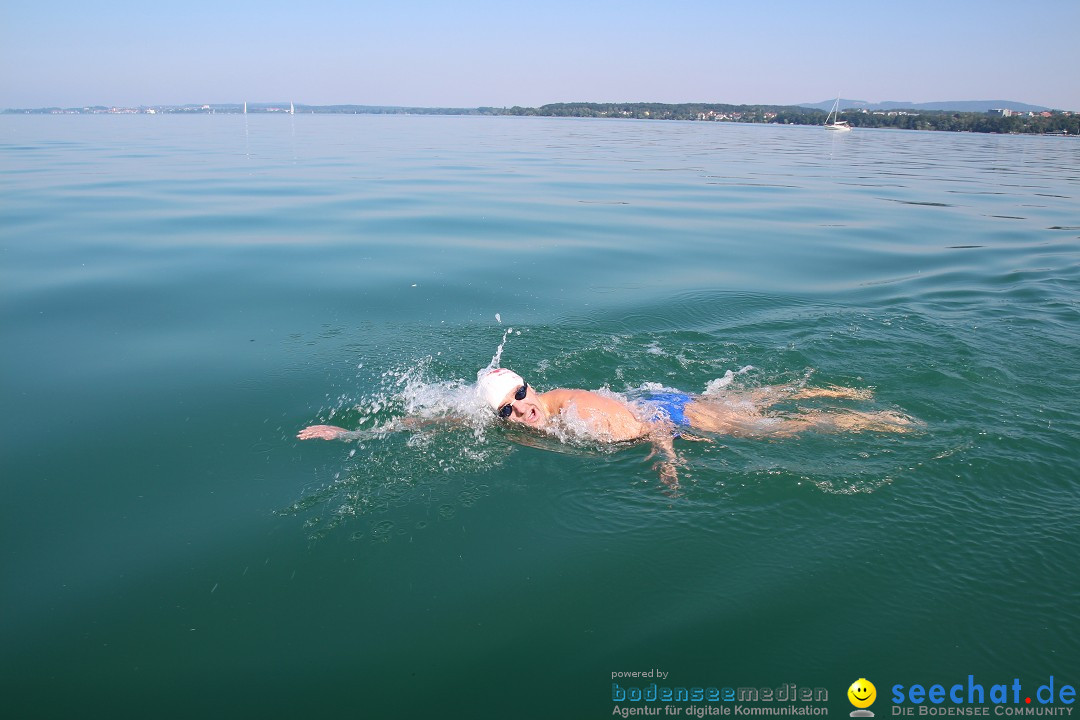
<point x="711" y="418"/>
<point x="769" y="395"/>
<point x="852" y="421"/>
<point x="835" y="391"/>
<point x="741" y="421"/>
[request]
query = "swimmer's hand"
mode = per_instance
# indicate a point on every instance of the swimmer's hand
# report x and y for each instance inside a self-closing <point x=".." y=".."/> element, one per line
<point x="668" y="474"/>
<point x="321" y="432"/>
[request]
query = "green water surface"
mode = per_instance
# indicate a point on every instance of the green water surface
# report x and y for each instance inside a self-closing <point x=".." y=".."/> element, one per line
<point x="180" y="295"/>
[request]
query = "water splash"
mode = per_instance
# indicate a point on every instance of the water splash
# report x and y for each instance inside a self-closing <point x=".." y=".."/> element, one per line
<point x="715" y="386"/>
<point x="496" y="359"/>
<point x="419" y="441"/>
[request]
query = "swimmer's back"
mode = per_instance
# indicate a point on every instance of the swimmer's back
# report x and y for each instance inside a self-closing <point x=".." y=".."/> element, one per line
<point x="607" y="418"/>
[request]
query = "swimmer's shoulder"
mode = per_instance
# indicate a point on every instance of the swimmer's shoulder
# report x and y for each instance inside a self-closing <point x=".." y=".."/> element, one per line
<point x="559" y="398"/>
<point x="583" y="399"/>
<point x="613" y="418"/>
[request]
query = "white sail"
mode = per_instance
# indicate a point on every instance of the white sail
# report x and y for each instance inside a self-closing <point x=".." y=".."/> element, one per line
<point x="836" y="124"/>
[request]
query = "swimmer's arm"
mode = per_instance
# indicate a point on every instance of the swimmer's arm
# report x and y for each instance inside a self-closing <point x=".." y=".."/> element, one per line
<point x="333" y="432"/>
<point x="663" y="444"/>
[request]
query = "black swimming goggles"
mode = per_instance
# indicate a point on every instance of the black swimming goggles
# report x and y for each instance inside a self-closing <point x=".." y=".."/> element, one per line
<point x="508" y="408"/>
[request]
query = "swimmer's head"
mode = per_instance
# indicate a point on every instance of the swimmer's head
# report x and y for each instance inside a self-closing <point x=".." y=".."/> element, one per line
<point x="494" y="385"/>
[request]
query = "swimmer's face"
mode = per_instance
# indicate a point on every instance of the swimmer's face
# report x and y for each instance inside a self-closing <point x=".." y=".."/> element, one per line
<point x="862" y="693"/>
<point x="523" y="409"/>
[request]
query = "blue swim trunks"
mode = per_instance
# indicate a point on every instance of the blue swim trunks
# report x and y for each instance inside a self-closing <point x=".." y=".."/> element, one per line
<point x="669" y="406"/>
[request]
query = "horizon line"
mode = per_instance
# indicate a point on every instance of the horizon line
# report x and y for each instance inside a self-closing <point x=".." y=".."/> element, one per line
<point x="284" y="103"/>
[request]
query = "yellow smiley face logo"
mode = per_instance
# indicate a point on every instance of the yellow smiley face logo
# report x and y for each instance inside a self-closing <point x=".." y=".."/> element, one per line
<point x="862" y="693"/>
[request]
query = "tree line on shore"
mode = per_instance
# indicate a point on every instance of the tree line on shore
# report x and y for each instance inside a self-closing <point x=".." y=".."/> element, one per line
<point x="1056" y="123"/>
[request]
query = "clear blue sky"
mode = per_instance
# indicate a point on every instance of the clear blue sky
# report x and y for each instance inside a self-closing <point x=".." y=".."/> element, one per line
<point x="473" y="52"/>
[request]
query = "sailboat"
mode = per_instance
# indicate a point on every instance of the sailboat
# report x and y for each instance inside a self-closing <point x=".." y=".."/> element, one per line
<point x="836" y="123"/>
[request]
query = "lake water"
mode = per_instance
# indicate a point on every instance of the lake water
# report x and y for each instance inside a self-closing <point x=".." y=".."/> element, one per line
<point x="181" y="295"/>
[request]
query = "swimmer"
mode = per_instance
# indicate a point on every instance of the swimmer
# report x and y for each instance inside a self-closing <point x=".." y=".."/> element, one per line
<point x="659" y="417"/>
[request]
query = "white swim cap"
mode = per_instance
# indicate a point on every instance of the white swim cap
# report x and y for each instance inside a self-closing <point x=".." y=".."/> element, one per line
<point x="494" y="385"/>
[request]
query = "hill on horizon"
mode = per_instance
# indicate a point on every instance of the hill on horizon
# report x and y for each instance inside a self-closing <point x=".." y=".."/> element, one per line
<point x="953" y="105"/>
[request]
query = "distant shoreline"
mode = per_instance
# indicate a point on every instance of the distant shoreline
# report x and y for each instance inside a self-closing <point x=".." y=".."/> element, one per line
<point x="998" y="120"/>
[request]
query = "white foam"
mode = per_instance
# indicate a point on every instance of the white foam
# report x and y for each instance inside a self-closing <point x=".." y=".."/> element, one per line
<point x="715" y="386"/>
<point x="425" y="399"/>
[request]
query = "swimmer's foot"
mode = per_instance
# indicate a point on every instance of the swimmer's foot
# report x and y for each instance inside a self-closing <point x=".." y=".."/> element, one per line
<point x="835" y="391"/>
